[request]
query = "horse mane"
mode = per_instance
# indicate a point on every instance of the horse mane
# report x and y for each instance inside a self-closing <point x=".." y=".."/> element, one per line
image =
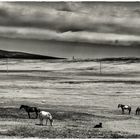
<point x="120" y="105"/>
<point x="24" y="106"/>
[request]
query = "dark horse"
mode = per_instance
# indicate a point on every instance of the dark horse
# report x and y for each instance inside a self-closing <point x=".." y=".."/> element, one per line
<point x="124" y="107"/>
<point x="29" y="109"/>
<point x="98" y="125"/>
<point x="138" y="111"/>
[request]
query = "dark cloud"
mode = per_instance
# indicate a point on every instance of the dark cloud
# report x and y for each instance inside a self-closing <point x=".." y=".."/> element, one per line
<point x="3" y="13"/>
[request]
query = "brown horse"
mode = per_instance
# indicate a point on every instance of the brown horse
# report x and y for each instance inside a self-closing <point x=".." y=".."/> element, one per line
<point x="124" y="107"/>
<point x="29" y="109"/>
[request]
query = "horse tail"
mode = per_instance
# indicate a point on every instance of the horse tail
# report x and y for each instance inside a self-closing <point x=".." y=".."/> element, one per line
<point x="136" y="111"/>
<point x="129" y="110"/>
<point x="37" y="110"/>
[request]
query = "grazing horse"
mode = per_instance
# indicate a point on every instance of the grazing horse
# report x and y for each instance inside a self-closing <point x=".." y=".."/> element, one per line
<point x="138" y="111"/>
<point x="98" y="125"/>
<point x="45" y="115"/>
<point x="29" y="109"/>
<point x="124" y="107"/>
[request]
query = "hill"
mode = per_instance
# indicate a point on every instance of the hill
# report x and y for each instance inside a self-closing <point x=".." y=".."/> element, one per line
<point x="22" y="55"/>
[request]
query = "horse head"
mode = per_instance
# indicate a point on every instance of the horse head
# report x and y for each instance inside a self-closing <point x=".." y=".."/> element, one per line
<point x="100" y="124"/>
<point x="22" y="106"/>
<point x="119" y="105"/>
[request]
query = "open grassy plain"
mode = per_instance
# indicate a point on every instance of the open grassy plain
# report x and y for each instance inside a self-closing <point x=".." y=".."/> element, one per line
<point x="75" y="92"/>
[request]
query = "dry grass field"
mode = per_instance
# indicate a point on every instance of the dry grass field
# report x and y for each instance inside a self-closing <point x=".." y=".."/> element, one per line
<point x="76" y="94"/>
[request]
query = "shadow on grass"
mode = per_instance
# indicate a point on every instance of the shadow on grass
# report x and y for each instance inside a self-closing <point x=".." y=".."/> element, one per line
<point x="38" y="124"/>
<point x="26" y="132"/>
<point x="41" y="124"/>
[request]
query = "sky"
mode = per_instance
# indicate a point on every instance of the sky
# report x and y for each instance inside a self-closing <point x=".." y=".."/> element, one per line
<point x="66" y="29"/>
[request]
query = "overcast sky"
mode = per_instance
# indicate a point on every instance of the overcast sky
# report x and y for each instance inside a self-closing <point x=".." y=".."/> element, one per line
<point x="71" y="22"/>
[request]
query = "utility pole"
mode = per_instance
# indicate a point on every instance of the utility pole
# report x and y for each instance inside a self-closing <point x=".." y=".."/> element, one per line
<point x="73" y="58"/>
<point x="7" y="65"/>
<point x="100" y="67"/>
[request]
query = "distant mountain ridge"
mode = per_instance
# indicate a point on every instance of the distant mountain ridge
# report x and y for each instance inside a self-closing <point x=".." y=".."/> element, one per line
<point x="22" y="55"/>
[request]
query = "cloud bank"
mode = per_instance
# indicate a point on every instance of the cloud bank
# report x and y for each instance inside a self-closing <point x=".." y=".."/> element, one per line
<point x="71" y="21"/>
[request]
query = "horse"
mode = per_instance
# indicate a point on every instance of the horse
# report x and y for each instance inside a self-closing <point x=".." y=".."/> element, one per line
<point x="138" y="111"/>
<point x="98" y="125"/>
<point x="124" y="107"/>
<point x="29" y="109"/>
<point x="45" y="115"/>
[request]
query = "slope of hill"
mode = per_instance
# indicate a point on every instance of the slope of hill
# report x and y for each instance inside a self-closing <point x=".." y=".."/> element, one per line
<point x="21" y="55"/>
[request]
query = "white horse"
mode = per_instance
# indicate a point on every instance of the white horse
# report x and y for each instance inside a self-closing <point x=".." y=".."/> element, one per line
<point x="45" y="115"/>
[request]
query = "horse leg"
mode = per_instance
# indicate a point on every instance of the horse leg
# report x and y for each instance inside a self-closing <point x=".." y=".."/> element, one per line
<point x="46" y="121"/>
<point x="129" y="111"/>
<point x="51" y="122"/>
<point x="29" y="115"/>
<point x="36" y="115"/>
<point x="122" y="111"/>
<point x="41" y="121"/>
